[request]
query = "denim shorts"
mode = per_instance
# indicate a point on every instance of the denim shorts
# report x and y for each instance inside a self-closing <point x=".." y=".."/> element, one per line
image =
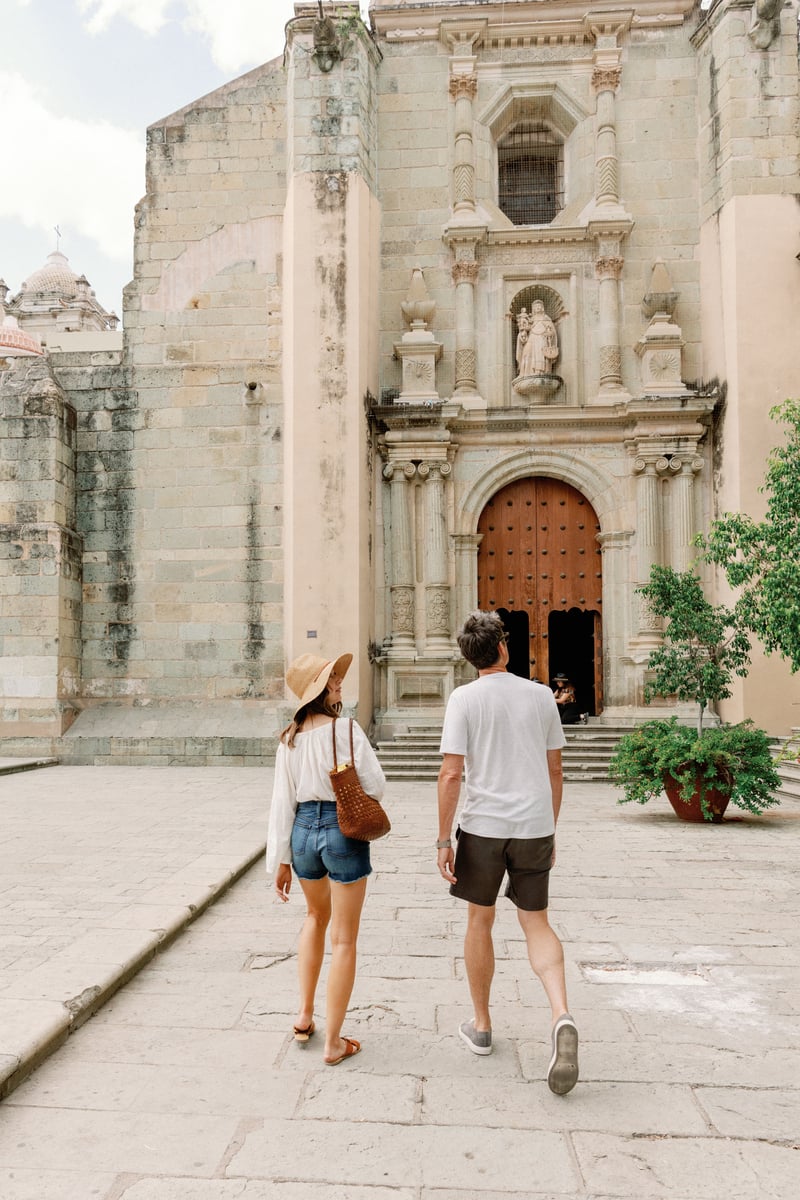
<point x="319" y="847"/>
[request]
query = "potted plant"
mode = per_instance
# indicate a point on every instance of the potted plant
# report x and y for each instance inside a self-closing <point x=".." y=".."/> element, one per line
<point x="700" y="769"/>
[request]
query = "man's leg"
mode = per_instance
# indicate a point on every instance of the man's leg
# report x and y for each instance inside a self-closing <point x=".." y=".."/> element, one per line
<point x="546" y="956"/>
<point x="479" y="961"/>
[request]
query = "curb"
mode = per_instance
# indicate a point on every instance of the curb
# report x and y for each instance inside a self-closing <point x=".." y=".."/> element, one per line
<point x="31" y="1029"/>
<point x="10" y="766"/>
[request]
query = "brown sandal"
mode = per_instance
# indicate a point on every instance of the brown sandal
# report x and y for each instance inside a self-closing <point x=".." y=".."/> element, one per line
<point x="302" y="1035"/>
<point x="353" y="1047"/>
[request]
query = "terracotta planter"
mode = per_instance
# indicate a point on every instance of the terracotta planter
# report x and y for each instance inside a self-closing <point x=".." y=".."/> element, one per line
<point x="690" y="810"/>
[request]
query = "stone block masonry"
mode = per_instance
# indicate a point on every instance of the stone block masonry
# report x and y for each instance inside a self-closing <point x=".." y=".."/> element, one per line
<point x="40" y="554"/>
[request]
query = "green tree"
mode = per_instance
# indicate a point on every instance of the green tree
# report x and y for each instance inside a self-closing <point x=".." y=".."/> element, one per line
<point x="762" y="558"/>
<point x="704" y="644"/>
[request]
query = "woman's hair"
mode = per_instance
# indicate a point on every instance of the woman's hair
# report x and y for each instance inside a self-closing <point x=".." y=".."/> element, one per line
<point x="480" y="638"/>
<point x="318" y="705"/>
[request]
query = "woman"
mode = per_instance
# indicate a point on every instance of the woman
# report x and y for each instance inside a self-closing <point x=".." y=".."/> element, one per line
<point x="568" y="708"/>
<point x="304" y="834"/>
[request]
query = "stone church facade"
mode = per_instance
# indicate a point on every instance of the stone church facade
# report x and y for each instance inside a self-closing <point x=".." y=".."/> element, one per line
<point x="483" y="306"/>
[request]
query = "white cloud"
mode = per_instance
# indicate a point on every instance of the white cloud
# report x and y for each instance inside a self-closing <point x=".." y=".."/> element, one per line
<point x="239" y="33"/>
<point x="147" y="15"/>
<point x="84" y="175"/>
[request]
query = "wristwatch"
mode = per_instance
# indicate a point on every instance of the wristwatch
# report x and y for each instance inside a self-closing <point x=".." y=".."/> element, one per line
<point x="445" y="844"/>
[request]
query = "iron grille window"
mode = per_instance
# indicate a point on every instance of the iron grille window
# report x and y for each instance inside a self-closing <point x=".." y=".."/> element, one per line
<point x="531" y="174"/>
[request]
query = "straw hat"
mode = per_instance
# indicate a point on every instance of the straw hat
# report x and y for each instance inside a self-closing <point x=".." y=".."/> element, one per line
<point x="309" y="674"/>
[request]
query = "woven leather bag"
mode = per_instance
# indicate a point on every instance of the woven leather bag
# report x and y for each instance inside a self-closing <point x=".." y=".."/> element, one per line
<point x="360" y="816"/>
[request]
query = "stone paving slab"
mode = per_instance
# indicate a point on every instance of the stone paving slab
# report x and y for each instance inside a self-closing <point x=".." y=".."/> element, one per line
<point x="100" y="868"/>
<point x="187" y="1085"/>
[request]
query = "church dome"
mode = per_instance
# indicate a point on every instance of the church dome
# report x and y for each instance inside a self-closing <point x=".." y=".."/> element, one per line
<point x="15" y="341"/>
<point x="56" y="276"/>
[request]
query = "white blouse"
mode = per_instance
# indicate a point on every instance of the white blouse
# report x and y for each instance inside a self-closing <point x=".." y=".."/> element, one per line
<point x="303" y="773"/>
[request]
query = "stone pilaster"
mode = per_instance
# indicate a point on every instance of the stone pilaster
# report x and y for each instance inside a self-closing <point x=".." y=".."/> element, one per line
<point x="465" y="275"/>
<point x="619" y="685"/>
<point x="435" y="557"/>
<point x="464" y="233"/>
<point x="649" y="539"/>
<point x="684" y="522"/>
<point x="463" y="86"/>
<point x="608" y="267"/>
<point x="402" y="641"/>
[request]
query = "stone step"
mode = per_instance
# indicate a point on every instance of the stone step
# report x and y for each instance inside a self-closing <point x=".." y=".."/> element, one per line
<point x="415" y="755"/>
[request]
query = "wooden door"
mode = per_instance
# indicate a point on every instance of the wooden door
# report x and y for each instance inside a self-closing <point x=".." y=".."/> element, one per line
<point x="539" y="555"/>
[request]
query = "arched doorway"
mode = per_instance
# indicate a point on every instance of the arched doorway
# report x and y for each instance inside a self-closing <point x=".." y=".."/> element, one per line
<point x="539" y="566"/>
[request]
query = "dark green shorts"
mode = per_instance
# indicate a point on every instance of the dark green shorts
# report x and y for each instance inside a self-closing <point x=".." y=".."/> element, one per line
<point x="481" y="863"/>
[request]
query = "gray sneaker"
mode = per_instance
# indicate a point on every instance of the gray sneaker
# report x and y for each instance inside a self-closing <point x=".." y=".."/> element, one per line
<point x="479" y="1041"/>
<point x="562" y="1074"/>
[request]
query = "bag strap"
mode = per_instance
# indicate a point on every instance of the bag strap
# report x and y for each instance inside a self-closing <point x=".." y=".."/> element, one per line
<point x="352" y="751"/>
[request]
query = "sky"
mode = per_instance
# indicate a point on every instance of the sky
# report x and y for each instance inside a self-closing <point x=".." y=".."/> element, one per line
<point x="80" y="81"/>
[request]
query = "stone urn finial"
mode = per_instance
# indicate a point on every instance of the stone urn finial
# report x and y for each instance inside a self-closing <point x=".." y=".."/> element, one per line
<point x="418" y="308"/>
<point x="660" y="297"/>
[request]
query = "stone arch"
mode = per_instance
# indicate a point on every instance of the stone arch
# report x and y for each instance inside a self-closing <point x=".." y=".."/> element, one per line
<point x="599" y="487"/>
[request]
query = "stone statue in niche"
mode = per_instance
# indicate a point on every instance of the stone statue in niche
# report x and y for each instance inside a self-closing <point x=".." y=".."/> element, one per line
<point x="536" y="353"/>
<point x="537" y="341"/>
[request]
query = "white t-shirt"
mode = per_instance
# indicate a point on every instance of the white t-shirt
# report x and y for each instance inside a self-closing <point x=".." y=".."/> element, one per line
<point x="504" y="725"/>
<point x="303" y="773"/>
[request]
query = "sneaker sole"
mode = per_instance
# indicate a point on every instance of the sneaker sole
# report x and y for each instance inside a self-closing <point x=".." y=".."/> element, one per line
<point x="469" y="1042"/>
<point x="562" y="1074"/>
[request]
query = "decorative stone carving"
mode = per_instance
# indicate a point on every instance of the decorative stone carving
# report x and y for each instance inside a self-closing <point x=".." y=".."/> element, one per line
<point x="465" y="271"/>
<point x="537" y="341"/>
<point x="536" y="354"/>
<point x="465" y="367"/>
<point x="463" y="87"/>
<point x="418" y="350"/>
<point x="765" y="23"/>
<point x="402" y="610"/>
<point x="438" y="611"/>
<point x="610" y="363"/>
<point x="609" y="267"/>
<point x="660" y="347"/>
<point x="606" y="79"/>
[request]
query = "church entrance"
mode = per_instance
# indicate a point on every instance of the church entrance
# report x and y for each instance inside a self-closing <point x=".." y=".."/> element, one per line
<point x="539" y="567"/>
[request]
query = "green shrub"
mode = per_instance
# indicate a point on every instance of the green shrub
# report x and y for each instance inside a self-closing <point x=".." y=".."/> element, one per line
<point x="733" y="759"/>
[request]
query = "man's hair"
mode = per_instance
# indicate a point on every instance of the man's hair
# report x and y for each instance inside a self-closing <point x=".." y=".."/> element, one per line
<point x="479" y="639"/>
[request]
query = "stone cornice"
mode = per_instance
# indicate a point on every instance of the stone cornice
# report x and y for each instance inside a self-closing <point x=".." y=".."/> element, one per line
<point x="634" y="419"/>
<point x="563" y="19"/>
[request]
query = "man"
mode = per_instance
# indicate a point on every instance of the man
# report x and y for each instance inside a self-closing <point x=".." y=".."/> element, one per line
<point x="508" y="733"/>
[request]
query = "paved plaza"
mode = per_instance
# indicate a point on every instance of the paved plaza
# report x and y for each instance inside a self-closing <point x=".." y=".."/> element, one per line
<point x="682" y="962"/>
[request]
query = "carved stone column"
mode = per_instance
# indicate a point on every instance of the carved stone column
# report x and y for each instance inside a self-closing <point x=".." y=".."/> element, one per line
<point x="609" y="268"/>
<point x="463" y="86"/>
<point x="465" y="275"/>
<point x="605" y="81"/>
<point x="619" y="686"/>
<point x="463" y="232"/>
<point x="402" y="644"/>
<point x="465" y="546"/>
<point x="437" y="589"/>
<point x="648" y="534"/>
<point x="684" y="523"/>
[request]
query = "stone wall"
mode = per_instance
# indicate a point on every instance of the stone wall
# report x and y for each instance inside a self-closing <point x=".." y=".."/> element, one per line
<point x="40" y="554"/>
<point x="203" y="358"/>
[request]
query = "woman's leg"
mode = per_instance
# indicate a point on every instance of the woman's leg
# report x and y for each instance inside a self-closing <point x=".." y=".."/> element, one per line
<point x="311" y="948"/>
<point x="347" y="902"/>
